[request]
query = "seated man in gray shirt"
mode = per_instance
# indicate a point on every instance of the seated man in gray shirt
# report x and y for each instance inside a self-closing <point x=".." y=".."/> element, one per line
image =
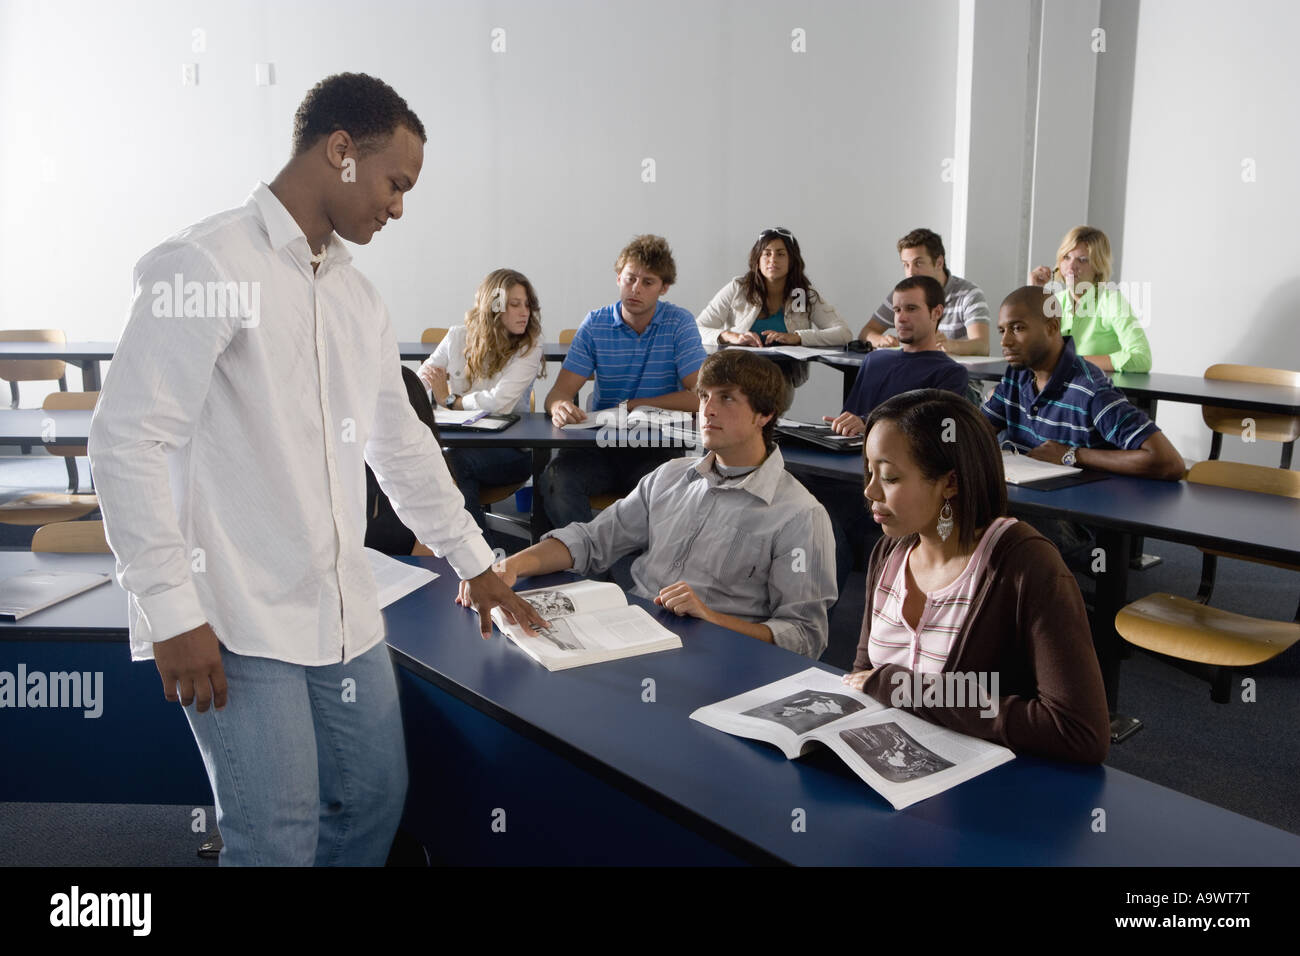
<point x="731" y="537"/>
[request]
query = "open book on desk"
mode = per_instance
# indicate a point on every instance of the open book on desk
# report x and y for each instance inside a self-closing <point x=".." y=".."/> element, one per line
<point x="591" y="622"/>
<point x="904" y="758"/>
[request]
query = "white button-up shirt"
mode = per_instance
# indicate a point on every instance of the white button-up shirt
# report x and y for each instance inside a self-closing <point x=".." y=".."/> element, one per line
<point x="228" y="444"/>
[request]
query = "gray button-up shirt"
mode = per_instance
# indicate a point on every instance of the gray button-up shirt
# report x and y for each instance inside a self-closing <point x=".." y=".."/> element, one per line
<point x="760" y="548"/>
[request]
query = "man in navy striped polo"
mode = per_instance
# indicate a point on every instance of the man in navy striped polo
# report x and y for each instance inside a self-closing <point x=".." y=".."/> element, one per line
<point x="641" y="351"/>
<point x="1056" y="406"/>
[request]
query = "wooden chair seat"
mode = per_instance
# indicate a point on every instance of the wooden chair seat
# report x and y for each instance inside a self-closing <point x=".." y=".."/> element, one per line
<point x="1191" y="631"/>
<point x="601" y="502"/>
<point x="432" y="336"/>
<point x="71" y="537"/>
<point x="494" y="493"/>
<point x="46" y="507"/>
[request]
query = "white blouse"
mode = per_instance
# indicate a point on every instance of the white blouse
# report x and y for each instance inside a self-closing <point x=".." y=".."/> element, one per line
<point x="507" y="391"/>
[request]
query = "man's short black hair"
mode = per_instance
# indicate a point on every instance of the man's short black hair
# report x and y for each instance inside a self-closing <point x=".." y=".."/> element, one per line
<point x="366" y="108"/>
<point x="929" y="287"/>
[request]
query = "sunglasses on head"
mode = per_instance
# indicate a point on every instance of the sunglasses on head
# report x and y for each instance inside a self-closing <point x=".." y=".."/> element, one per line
<point x="768" y="233"/>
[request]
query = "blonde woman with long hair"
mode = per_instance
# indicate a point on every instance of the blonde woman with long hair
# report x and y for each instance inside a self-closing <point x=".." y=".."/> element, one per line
<point x="1093" y="311"/>
<point x="489" y="363"/>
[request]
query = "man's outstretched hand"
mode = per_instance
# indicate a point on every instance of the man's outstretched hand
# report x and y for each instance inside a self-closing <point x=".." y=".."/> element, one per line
<point x="490" y="590"/>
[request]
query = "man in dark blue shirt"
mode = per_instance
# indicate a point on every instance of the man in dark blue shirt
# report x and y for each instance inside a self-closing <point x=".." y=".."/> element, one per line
<point x="920" y="363"/>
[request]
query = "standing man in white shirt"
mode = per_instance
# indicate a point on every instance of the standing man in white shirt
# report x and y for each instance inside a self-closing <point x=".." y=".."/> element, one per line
<point x="256" y="374"/>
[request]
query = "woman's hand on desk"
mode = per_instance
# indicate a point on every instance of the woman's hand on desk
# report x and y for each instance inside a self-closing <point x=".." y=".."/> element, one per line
<point x="740" y="338"/>
<point x="490" y="590"/>
<point x="193" y="661"/>
<point x="566" y="413"/>
<point x="857" y="680"/>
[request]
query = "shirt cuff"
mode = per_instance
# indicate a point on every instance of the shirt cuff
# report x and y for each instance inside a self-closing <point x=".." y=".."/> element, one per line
<point x="786" y="634"/>
<point x="576" y="542"/>
<point x="172" y="612"/>
<point x="470" y="558"/>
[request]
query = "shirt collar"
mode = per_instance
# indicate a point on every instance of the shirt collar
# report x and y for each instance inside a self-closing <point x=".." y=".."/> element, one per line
<point x="761" y="482"/>
<point x="618" y="315"/>
<point x="1062" y="374"/>
<point x="283" y="231"/>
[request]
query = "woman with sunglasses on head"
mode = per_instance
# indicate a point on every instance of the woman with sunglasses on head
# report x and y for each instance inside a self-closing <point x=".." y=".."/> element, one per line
<point x="489" y="363"/>
<point x="773" y="303"/>
<point x="1093" y="310"/>
<point x="956" y="587"/>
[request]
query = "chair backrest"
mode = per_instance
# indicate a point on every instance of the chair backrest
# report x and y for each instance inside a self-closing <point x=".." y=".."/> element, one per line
<point x="1254" y="374"/>
<point x="1259" y="478"/>
<point x="70" y="401"/>
<point x="71" y="537"/>
<point x="1235" y="474"/>
<point x="32" y="370"/>
<point x="566" y="336"/>
<point x="432" y="336"/>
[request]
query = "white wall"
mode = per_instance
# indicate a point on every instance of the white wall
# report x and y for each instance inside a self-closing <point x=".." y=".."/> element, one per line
<point x="1215" y="86"/>
<point x="534" y="157"/>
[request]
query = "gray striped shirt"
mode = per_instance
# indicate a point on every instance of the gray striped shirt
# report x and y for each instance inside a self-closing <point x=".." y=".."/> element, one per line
<point x="963" y="304"/>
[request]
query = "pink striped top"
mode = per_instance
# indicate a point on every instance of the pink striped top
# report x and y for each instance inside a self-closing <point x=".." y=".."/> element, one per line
<point x="925" y="649"/>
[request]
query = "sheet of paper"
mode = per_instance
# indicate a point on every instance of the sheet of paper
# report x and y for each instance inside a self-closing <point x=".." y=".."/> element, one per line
<point x="395" y="579"/>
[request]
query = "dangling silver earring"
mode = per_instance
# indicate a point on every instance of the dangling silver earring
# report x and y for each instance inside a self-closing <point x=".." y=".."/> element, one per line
<point x="944" y="524"/>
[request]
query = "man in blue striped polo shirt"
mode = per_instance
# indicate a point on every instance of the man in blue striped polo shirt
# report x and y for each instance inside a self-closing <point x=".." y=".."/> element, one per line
<point x="641" y="351"/>
<point x="1055" y="406"/>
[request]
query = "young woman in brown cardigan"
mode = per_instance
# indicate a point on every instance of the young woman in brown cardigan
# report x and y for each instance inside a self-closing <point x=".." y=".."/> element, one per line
<point x="1008" y="615"/>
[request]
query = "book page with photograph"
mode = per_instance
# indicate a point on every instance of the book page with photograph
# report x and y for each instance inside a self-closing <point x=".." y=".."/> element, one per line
<point x="590" y="622"/>
<point x="903" y="757"/>
<point x="784" y="712"/>
<point x="906" y="758"/>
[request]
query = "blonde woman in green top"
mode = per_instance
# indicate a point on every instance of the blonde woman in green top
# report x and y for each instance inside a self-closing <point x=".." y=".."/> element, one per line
<point x="1093" y="310"/>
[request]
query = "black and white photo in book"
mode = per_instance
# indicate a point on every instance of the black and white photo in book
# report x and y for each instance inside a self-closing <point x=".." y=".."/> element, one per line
<point x="807" y="711"/>
<point x="893" y="753"/>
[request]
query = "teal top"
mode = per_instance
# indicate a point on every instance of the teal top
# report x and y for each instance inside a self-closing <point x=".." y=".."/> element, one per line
<point x="773" y="323"/>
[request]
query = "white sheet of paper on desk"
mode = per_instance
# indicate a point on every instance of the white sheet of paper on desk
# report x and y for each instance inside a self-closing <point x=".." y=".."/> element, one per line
<point x="39" y="588"/>
<point x="1021" y="469"/>
<point x="456" y="416"/>
<point x="395" y="579"/>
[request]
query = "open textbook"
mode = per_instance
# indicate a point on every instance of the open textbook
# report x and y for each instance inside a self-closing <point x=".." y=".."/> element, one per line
<point x="591" y="622"/>
<point x="902" y="757"/>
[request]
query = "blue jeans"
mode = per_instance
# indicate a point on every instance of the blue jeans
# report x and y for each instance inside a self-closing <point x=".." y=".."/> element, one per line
<point x="475" y="467"/>
<point x="575" y="474"/>
<point x="305" y="768"/>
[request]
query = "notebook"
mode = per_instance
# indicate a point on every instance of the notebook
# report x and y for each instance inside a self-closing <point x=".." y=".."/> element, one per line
<point x="455" y="420"/>
<point x="819" y="435"/>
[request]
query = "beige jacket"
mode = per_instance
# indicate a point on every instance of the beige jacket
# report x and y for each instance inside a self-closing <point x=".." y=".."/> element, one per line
<point x="730" y="311"/>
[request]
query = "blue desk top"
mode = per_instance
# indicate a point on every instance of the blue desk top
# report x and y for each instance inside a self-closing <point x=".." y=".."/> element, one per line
<point x="740" y="792"/>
